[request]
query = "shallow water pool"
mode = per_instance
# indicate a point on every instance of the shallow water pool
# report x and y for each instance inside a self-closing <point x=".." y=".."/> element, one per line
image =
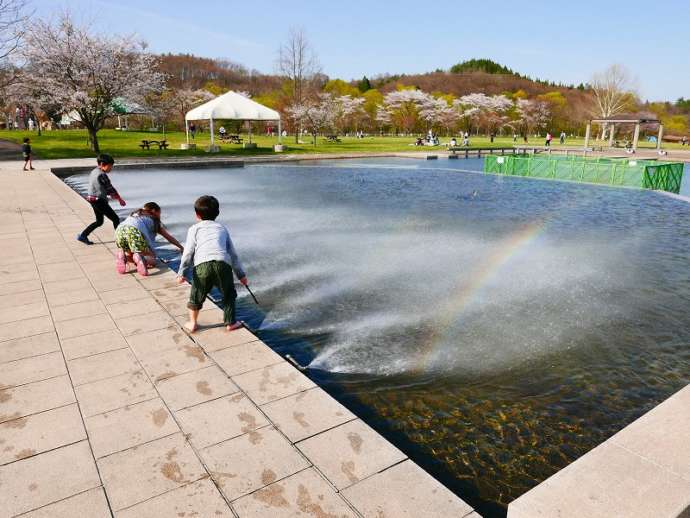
<point x="494" y="328"/>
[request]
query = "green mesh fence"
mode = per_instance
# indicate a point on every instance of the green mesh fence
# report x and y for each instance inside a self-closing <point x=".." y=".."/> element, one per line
<point x="646" y="174"/>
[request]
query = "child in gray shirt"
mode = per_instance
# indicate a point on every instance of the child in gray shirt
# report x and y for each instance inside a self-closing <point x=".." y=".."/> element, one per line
<point x="210" y="250"/>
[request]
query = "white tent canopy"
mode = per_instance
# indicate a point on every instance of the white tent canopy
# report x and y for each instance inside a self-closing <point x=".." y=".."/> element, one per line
<point x="233" y="106"/>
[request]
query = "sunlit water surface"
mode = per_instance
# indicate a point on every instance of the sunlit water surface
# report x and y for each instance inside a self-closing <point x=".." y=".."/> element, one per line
<point x="493" y="328"/>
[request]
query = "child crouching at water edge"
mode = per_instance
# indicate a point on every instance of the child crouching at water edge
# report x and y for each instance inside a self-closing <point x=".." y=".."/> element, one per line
<point x="210" y="249"/>
<point x="135" y="238"/>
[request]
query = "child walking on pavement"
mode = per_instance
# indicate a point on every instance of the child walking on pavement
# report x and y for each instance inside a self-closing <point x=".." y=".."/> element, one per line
<point x="135" y="238"/>
<point x="26" y="153"/>
<point x="209" y="247"/>
<point x="99" y="190"/>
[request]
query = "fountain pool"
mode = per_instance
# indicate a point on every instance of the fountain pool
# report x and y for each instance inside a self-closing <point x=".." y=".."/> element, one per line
<point x="494" y="328"/>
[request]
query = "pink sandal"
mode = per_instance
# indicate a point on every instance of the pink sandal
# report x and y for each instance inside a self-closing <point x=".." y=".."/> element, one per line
<point x="141" y="265"/>
<point x="121" y="262"/>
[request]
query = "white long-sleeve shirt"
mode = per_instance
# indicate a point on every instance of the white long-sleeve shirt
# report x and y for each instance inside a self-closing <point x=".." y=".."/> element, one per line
<point x="209" y="241"/>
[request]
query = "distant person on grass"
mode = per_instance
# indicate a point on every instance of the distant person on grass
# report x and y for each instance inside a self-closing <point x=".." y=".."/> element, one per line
<point x="99" y="190"/>
<point x="209" y="248"/>
<point x="192" y="130"/>
<point x="135" y="238"/>
<point x="26" y="153"/>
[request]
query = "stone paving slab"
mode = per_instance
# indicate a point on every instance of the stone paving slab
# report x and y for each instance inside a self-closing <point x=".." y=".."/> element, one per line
<point x="101" y="366"/>
<point x="130" y="308"/>
<point x="21" y="299"/>
<point x="137" y="376"/>
<point x="307" y="413"/>
<point x="304" y="494"/>
<point x="129" y="426"/>
<point x="361" y="453"/>
<point x="402" y="491"/>
<point x="251" y="461"/>
<point x="89" y="345"/>
<point x="33" y="482"/>
<point x="671" y="421"/>
<point x="200" y="499"/>
<point x="274" y="382"/>
<point x="84" y="326"/>
<point x="246" y="357"/>
<point x="34" y="368"/>
<point x="89" y="504"/>
<point x="20" y="311"/>
<point x="30" y="346"/>
<point x="142" y="323"/>
<point x="216" y="338"/>
<point x="192" y="388"/>
<point x="158" y="341"/>
<point x="35" y="397"/>
<point x="24" y="328"/>
<point x="220" y="419"/>
<point x="28" y="436"/>
<point x="149" y="470"/>
<point x="82" y="309"/>
<point x="112" y="393"/>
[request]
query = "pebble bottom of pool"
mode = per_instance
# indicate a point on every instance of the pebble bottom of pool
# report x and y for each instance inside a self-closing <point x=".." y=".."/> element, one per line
<point x="493" y="328"/>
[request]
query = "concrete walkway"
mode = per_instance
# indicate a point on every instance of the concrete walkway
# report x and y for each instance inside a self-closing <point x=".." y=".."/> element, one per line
<point x="107" y="408"/>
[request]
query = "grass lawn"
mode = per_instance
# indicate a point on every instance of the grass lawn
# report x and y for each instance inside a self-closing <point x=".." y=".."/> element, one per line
<point x="74" y="144"/>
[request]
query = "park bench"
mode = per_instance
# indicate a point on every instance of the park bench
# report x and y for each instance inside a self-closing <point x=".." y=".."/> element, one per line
<point x="332" y="138"/>
<point x="233" y="139"/>
<point x="146" y="144"/>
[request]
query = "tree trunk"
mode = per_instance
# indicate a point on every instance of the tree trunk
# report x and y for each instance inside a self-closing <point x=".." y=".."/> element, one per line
<point x="93" y="140"/>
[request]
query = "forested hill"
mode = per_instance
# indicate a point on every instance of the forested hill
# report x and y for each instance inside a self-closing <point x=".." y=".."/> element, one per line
<point x="476" y="75"/>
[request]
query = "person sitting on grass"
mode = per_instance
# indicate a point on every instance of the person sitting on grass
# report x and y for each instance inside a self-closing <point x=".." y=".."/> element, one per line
<point x="210" y="248"/>
<point x="99" y="190"/>
<point x="135" y="238"/>
<point x="26" y="152"/>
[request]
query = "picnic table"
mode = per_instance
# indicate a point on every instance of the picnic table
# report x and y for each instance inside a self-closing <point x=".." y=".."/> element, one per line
<point x="146" y="144"/>
<point x="233" y="139"/>
<point x="332" y="138"/>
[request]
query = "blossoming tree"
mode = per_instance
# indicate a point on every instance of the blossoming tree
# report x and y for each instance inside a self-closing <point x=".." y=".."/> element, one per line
<point x="82" y="72"/>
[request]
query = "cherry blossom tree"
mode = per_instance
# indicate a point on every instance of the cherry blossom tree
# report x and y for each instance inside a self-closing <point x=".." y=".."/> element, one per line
<point x="533" y="115"/>
<point x="316" y="115"/>
<point x="85" y="72"/>
<point x="437" y="112"/>
<point x="404" y="107"/>
<point x="489" y="112"/>
<point x="186" y="99"/>
<point x="13" y="19"/>
<point x="349" y="112"/>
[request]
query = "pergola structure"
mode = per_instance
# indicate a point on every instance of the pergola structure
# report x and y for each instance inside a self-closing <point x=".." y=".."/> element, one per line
<point x="636" y="135"/>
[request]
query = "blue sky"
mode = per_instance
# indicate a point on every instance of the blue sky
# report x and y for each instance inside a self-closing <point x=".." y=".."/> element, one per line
<point x="557" y="40"/>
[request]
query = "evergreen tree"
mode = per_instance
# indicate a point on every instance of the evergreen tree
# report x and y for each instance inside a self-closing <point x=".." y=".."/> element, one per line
<point x="364" y="85"/>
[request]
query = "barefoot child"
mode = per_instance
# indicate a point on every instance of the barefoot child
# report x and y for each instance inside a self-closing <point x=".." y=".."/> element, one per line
<point x="99" y="190"/>
<point x="26" y="153"/>
<point x="210" y="249"/>
<point x="135" y="238"/>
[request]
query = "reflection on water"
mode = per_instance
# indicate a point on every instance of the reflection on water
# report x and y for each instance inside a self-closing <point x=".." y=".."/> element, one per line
<point x="494" y="328"/>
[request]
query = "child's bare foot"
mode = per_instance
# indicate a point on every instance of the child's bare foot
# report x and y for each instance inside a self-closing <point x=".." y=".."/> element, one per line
<point x="191" y="326"/>
<point x="233" y="327"/>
